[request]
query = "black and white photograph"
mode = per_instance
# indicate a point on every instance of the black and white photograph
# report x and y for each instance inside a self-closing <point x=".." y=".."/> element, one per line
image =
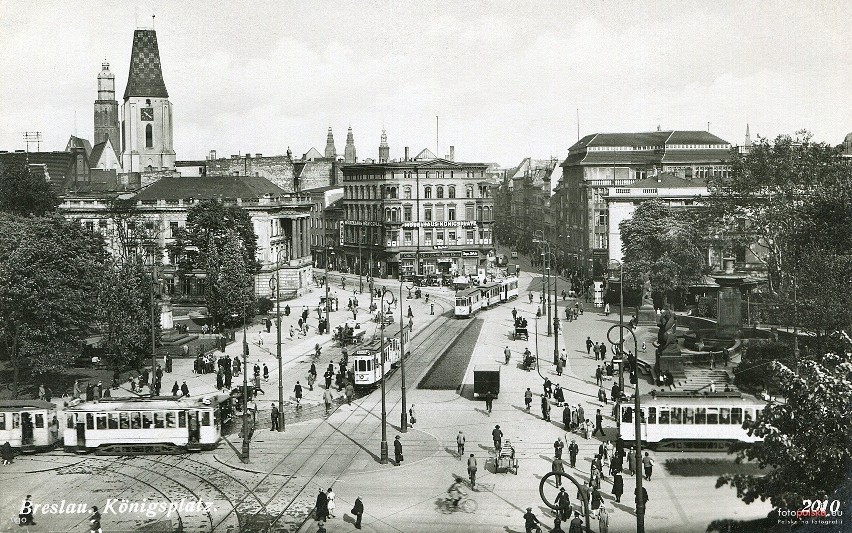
<point x="478" y="266"/>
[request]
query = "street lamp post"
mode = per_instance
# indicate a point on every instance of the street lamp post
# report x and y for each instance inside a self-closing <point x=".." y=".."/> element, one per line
<point x="278" y="338"/>
<point x="360" y="263"/>
<point x="403" y="418"/>
<point x="620" y="338"/>
<point x="637" y="420"/>
<point x="384" y="445"/>
<point x="153" y="325"/>
<point x="245" y="454"/>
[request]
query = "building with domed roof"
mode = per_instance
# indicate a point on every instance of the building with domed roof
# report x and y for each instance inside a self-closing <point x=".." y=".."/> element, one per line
<point x="847" y="146"/>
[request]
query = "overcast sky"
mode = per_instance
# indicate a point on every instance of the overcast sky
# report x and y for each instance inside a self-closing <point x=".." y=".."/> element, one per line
<point x="506" y="78"/>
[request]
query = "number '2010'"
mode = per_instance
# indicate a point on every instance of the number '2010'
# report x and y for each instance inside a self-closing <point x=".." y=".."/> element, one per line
<point x="821" y="505"/>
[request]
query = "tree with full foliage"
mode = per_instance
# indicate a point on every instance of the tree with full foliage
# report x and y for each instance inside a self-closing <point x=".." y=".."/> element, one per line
<point x="229" y="290"/>
<point x="806" y="436"/>
<point x="124" y="313"/>
<point x="209" y="226"/>
<point x="49" y="270"/>
<point x="23" y="193"/>
<point x="754" y="371"/>
<point x="664" y="242"/>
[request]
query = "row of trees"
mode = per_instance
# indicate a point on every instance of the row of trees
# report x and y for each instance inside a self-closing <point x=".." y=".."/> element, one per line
<point x="790" y="199"/>
<point x="58" y="283"/>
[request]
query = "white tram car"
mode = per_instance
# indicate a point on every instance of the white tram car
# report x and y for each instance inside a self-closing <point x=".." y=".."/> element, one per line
<point x="28" y="425"/>
<point x="366" y="363"/>
<point x="468" y="302"/>
<point x="132" y="426"/>
<point x="508" y="288"/>
<point x="490" y="294"/>
<point x="686" y="421"/>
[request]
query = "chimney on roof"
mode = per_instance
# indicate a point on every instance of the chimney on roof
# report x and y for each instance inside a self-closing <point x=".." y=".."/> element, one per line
<point x="406" y="153"/>
<point x="258" y="155"/>
<point x="658" y="127"/>
<point x="212" y="155"/>
<point x="248" y="155"/>
<point x="452" y="153"/>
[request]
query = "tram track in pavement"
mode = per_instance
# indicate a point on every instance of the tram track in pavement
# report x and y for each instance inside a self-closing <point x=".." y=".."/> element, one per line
<point x="435" y="333"/>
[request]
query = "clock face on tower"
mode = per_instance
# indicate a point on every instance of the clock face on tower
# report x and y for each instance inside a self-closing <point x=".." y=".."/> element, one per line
<point x="147" y="114"/>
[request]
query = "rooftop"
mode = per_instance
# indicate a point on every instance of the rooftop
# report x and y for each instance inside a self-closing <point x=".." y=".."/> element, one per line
<point x="203" y="188"/>
<point x="146" y="75"/>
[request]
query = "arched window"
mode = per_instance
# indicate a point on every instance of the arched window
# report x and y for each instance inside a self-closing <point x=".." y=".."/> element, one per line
<point x="439" y="191"/>
<point x="387" y="214"/>
<point x="468" y="191"/>
<point x="451" y="191"/>
<point x="427" y="191"/>
<point x="407" y="192"/>
<point x="149" y="136"/>
<point x="375" y="195"/>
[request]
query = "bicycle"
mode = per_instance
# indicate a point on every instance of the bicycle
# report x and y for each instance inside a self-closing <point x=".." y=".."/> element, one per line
<point x="448" y="505"/>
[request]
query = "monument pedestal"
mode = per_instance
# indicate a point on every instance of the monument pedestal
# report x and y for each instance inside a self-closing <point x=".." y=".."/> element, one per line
<point x="647" y="316"/>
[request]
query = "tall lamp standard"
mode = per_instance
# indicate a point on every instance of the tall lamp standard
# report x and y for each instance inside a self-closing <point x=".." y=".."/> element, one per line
<point x="637" y="416"/>
<point x="277" y="283"/>
<point x="404" y="419"/>
<point x="384" y="446"/>
<point x="546" y="266"/>
<point x="244" y="456"/>
<point x="551" y="258"/>
<point x="620" y="338"/>
<point x="153" y="320"/>
<point x="360" y="263"/>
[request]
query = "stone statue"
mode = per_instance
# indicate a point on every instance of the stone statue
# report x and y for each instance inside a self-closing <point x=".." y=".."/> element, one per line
<point x="667" y="333"/>
<point x="647" y="299"/>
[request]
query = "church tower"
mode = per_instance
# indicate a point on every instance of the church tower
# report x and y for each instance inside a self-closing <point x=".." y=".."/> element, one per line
<point x="106" y="110"/>
<point x="384" y="149"/>
<point x="330" y="150"/>
<point x="146" y="115"/>
<point x="349" y="151"/>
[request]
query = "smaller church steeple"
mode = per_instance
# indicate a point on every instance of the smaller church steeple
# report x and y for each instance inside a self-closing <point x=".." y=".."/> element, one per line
<point x="384" y="149"/>
<point x="330" y="150"/>
<point x="349" y="151"/>
<point x="747" y="138"/>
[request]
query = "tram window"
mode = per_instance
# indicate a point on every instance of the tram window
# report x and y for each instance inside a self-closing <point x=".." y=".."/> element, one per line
<point x="159" y="420"/>
<point x="688" y="415"/>
<point x="112" y="421"/>
<point x="70" y="424"/>
<point x="170" y="419"/>
<point x="90" y="421"/>
<point x="147" y="420"/>
<point x="712" y="415"/>
<point x="205" y="418"/>
<point x="724" y="415"/>
<point x="216" y="417"/>
<point x="2" y="420"/>
<point x="627" y="414"/>
<point x="124" y="420"/>
<point x="369" y="365"/>
<point x="101" y="421"/>
<point x="677" y="415"/>
<point x="664" y="415"/>
<point x="135" y="420"/>
<point x="181" y="419"/>
<point x="39" y="420"/>
<point x="700" y="415"/>
<point x="362" y="366"/>
<point x="652" y="415"/>
<point x="737" y="415"/>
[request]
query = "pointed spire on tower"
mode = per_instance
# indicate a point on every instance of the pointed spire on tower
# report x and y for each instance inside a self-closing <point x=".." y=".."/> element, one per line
<point x="384" y="149"/>
<point x="330" y="150"/>
<point x="747" y="138"/>
<point x="349" y="151"/>
<point x="146" y="75"/>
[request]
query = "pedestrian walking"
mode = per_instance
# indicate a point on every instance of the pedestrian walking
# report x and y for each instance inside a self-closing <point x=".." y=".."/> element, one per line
<point x="330" y="505"/>
<point x="350" y="392"/>
<point x="489" y="401"/>
<point x="397" y="450"/>
<point x="265" y="373"/>
<point x="528" y="398"/>
<point x="617" y="487"/>
<point x="599" y="376"/>
<point x="597" y="350"/>
<point x="297" y="391"/>
<point x="531" y="523"/>
<point x="274" y="418"/>
<point x="566" y="418"/>
<point x="573" y="450"/>
<point x="321" y="506"/>
<point x="602" y="396"/>
<point x="563" y="504"/>
<point x="507" y="354"/>
<point x="358" y="511"/>
<point x="94" y="520"/>
<point x="603" y="351"/>
<point x="327" y="398"/>
<point x="603" y="520"/>
<point x="185" y="389"/>
<point x="558" y="446"/>
<point x="497" y="437"/>
<point x="631" y="462"/>
<point x="530" y="297"/>
<point x="648" y="465"/>
<point x="598" y="424"/>
<point x="460" y="443"/>
<point x="556" y="466"/>
<point x="175" y="389"/>
<point x="545" y="409"/>
<point x="589" y="345"/>
<point x="471" y="470"/>
<point x="548" y="388"/>
<point x="411" y="418"/>
<point x="606" y="309"/>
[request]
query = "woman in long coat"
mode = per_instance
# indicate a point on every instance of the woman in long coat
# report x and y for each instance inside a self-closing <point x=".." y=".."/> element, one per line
<point x="617" y="487"/>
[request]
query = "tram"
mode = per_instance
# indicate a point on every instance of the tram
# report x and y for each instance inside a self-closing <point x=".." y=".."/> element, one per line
<point x="508" y="288"/>
<point x="367" y="364"/>
<point x="682" y="421"/>
<point x="134" y="426"/>
<point x="28" y="425"/>
<point x="468" y="302"/>
<point x="490" y="294"/>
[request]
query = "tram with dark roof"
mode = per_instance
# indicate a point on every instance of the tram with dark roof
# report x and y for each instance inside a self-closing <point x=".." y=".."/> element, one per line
<point x="28" y="425"/>
<point x="683" y="421"/>
<point x="367" y="363"/>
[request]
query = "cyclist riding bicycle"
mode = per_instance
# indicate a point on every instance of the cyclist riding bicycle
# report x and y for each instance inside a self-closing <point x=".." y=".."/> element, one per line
<point x="455" y="492"/>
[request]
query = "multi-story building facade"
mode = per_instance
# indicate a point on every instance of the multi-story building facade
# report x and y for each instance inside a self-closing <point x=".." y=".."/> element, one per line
<point x="525" y="204"/>
<point x="323" y="235"/>
<point x="424" y="215"/>
<point x="603" y="160"/>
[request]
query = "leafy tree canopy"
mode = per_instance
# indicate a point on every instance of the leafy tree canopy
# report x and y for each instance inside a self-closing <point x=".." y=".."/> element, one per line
<point x="230" y="286"/>
<point x="664" y="242"/>
<point x="805" y="437"/>
<point x="208" y="227"/>
<point x="22" y="193"/>
<point x="49" y="270"/>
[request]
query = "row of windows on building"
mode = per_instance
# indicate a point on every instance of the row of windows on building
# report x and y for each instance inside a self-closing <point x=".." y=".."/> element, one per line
<point x="438" y="212"/>
<point x="438" y="237"/>
<point x="408" y="174"/>
<point x="375" y="192"/>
